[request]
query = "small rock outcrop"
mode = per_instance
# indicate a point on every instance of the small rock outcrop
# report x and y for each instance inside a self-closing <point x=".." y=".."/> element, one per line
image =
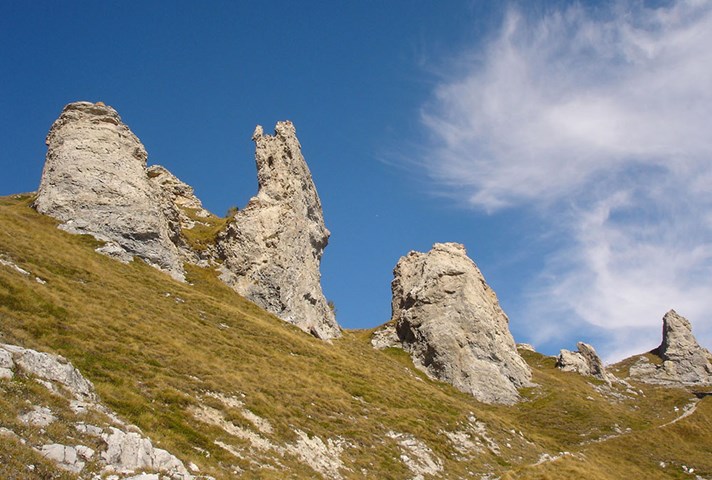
<point x="585" y="361"/>
<point x="682" y="359"/>
<point x="52" y="370"/>
<point x="450" y="321"/>
<point x="95" y="182"/>
<point x="271" y="250"/>
<point x="125" y="449"/>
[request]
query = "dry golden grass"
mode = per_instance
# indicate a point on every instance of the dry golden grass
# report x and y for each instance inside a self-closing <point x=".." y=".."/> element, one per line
<point x="153" y="347"/>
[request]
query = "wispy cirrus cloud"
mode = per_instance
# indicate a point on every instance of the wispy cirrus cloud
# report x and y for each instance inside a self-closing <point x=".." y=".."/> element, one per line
<point x="600" y="119"/>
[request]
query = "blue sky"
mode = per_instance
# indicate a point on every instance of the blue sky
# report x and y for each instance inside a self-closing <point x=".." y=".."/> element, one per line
<point x="566" y="144"/>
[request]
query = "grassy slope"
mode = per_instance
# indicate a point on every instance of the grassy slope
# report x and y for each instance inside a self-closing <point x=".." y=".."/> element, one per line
<point x="153" y="347"/>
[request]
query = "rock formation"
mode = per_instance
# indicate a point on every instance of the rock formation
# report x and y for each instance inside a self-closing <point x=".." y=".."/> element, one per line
<point x="683" y="360"/>
<point x="272" y="248"/>
<point x="180" y="195"/>
<point x="95" y="182"/>
<point x="125" y="451"/>
<point x="451" y="323"/>
<point x="585" y="361"/>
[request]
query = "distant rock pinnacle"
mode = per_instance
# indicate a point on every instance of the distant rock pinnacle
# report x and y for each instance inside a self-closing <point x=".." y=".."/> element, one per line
<point x="684" y="361"/>
<point x="272" y="248"/>
<point x="449" y="320"/>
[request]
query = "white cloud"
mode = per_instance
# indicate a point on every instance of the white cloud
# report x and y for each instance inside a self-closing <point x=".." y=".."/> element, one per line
<point x="602" y="120"/>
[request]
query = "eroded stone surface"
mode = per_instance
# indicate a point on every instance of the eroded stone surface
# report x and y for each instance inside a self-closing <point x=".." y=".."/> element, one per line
<point x="272" y="248"/>
<point x="95" y="182"/>
<point x="450" y="321"/>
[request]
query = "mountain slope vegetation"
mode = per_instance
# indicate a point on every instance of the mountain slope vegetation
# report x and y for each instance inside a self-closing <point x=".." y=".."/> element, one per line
<point x="228" y="387"/>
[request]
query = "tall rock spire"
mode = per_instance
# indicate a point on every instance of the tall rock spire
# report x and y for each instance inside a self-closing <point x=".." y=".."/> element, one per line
<point x="272" y="249"/>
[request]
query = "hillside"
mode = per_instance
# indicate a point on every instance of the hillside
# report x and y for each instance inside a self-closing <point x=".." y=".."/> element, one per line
<point x="226" y="386"/>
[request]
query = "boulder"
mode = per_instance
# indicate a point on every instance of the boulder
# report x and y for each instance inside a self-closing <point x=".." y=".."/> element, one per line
<point x="450" y="321"/>
<point x="95" y="182"/>
<point x="584" y="361"/>
<point x="681" y="359"/>
<point x="271" y="250"/>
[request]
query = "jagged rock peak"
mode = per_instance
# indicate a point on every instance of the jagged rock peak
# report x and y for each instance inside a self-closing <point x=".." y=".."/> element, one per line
<point x="271" y="250"/>
<point x="450" y="321"/>
<point x="95" y="182"/>
<point x="585" y="361"/>
<point x="684" y="361"/>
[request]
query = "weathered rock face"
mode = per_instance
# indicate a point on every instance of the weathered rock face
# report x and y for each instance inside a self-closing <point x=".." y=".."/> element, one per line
<point x="684" y="361"/>
<point x="450" y="321"/>
<point x="585" y="361"/>
<point x="179" y="194"/>
<point x="95" y="182"/>
<point x="272" y="249"/>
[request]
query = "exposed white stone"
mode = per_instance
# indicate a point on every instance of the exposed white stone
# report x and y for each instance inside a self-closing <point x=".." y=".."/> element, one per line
<point x="126" y="451"/>
<point x="179" y="193"/>
<point x="38" y="417"/>
<point x="12" y="265"/>
<point x="323" y="457"/>
<point x="6" y="364"/>
<point x="526" y="346"/>
<point x="65" y="456"/>
<point x="416" y="455"/>
<point x="272" y="249"/>
<point x="52" y="368"/>
<point x="450" y="321"/>
<point x="130" y="451"/>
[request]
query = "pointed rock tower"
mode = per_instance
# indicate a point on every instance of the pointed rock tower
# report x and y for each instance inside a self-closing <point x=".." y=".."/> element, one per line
<point x="271" y="250"/>
<point x="450" y="321"/>
<point x="684" y="361"/>
<point x="95" y="182"/>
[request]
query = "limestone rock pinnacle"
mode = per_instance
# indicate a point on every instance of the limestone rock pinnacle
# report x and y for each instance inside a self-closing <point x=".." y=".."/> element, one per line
<point x="95" y="182"/>
<point x="684" y="361"/>
<point x="271" y="249"/>
<point x="450" y="321"/>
